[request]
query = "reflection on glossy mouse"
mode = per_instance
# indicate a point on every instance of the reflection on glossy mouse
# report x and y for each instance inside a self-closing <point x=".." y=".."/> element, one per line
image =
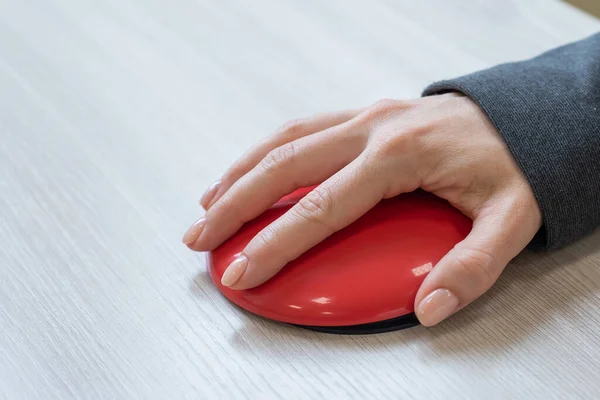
<point x="362" y="279"/>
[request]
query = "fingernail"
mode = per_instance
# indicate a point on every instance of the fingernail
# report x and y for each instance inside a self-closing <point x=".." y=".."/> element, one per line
<point x="436" y="307"/>
<point x="209" y="194"/>
<point x="234" y="272"/>
<point x="193" y="233"/>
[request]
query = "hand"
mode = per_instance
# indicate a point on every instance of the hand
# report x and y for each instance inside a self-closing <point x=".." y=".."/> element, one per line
<point x="443" y="144"/>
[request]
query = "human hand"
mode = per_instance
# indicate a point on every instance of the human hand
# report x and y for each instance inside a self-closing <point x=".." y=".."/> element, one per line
<point x="443" y="144"/>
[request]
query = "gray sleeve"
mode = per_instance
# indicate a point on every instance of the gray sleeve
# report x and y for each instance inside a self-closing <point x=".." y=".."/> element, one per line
<point x="547" y="110"/>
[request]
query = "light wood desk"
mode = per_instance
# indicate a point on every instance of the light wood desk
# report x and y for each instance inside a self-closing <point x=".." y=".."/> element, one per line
<point x="114" y="117"/>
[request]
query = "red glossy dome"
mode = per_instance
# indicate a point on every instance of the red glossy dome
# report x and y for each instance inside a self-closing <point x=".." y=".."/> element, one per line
<point x="368" y="272"/>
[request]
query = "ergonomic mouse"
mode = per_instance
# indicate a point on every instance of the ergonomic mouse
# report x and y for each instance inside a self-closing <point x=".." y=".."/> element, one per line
<point x="362" y="279"/>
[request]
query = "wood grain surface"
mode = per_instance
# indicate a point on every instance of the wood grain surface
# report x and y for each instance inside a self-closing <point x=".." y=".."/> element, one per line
<point x="114" y="117"/>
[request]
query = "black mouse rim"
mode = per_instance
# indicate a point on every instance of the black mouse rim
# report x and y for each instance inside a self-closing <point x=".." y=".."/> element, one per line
<point x="388" y="325"/>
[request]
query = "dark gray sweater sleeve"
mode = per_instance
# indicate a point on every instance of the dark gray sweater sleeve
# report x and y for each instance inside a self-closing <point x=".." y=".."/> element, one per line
<point x="547" y="110"/>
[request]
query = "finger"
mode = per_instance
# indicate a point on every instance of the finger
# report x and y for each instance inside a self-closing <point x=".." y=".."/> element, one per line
<point x="287" y="133"/>
<point x="304" y="162"/>
<point x="333" y="205"/>
<point x="473" y="265"/>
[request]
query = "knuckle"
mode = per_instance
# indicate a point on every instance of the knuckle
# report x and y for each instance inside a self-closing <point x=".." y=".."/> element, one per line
<point x="380" y="110"/>
<point x="384" y="108"/>
<point x="316" y="207"/>
<point x="316" y="201"/>
<point x="293" y="128"/>
<point x="265" y="237"/>
<point x="279" y="157"/>
<point x="393" y="140"/>
<point x="479" y="264"/>
<point x="392" y="145"/>
<point x="385" y="105"/>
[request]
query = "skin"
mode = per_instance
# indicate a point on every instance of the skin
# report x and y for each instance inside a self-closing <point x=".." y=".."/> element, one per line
<point x="443" y="144"/>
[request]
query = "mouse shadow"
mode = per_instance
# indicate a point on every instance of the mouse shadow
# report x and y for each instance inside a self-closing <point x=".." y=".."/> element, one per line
<point x="533" y="290"/>
<point x="201" y="285"/>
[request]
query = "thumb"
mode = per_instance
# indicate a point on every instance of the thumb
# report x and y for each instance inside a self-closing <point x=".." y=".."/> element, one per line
<point x="499" y="233"/>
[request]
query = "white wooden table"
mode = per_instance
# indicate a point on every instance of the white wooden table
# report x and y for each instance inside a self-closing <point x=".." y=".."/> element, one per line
<point x="116" y="114"/>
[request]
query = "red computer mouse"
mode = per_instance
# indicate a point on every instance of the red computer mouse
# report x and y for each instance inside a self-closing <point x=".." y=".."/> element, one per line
<point x="362" y="279"/>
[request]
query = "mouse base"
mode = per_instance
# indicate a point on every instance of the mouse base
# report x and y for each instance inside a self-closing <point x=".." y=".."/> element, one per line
<point x="388" y="325"/>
